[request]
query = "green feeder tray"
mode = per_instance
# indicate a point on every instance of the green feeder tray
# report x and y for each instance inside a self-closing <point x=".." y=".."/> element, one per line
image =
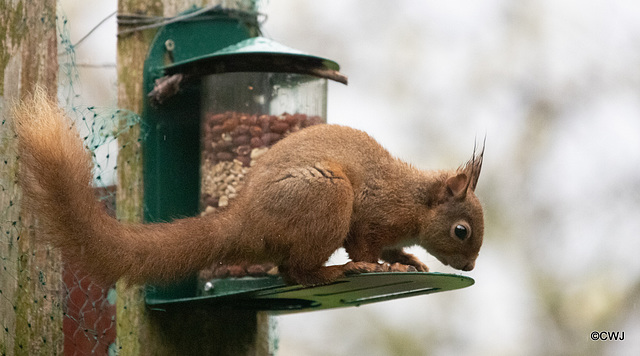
<point x="272" y="294"/>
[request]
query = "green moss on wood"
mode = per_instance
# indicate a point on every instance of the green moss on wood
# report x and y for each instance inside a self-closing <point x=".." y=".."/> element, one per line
<point x="12" y="30"/>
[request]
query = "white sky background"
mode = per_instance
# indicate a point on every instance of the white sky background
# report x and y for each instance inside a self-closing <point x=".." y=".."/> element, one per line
<point x="561" y="188"/>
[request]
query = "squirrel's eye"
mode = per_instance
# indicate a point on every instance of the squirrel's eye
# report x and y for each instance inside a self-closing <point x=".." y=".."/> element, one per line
<point x="461" y="231"/>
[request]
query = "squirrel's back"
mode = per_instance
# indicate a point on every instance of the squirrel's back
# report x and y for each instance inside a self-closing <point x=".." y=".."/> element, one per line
<point x="360" y="156"/>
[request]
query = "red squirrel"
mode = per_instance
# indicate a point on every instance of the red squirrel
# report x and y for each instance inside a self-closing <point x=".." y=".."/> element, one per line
<point x="316" y="190"/>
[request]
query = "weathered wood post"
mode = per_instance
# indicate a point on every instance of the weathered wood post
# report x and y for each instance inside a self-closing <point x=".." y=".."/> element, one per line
<point x="131" y="318"/>
<point x="30" y="281"/>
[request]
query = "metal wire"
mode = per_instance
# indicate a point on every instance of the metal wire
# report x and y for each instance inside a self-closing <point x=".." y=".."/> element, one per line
<point x="145" y="22"/>
<point x="150" y="22"/>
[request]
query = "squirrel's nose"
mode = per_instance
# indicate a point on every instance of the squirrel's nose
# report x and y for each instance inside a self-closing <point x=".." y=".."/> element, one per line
<point x="469" y="266"/>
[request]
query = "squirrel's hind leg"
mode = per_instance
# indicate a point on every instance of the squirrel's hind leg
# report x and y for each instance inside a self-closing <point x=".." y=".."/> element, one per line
<point x="316" y="202"/>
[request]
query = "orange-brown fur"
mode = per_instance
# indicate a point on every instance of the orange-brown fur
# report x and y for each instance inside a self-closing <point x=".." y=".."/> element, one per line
<point x="319" y="189"/>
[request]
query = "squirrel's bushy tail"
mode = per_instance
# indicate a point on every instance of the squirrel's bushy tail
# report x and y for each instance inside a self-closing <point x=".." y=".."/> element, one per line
<point x="56" y="179"/>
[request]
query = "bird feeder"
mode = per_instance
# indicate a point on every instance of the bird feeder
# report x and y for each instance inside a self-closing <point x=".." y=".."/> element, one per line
<point x="219" y="96"/>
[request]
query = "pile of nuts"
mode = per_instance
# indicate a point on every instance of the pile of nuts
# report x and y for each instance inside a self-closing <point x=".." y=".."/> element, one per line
<point x="232" y="142"/>
<point x="220" y="182"/>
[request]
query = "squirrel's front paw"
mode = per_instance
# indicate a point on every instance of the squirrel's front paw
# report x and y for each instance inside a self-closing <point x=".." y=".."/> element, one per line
<point x="399" y="267"/>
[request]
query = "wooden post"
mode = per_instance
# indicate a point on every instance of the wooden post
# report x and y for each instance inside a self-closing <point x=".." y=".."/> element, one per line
<point x="132" y="323"/>
<point x="174" y="331"/>
<point x="30" y="279"/>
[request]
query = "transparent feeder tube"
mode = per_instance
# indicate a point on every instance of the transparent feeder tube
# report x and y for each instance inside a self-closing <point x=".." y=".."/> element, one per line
<point x="243" y="115"/>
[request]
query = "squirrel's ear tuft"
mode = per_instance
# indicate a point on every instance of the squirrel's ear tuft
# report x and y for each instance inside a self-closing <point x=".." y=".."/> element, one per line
<point x="473" y="167"/>
<point x="452" y="184"/>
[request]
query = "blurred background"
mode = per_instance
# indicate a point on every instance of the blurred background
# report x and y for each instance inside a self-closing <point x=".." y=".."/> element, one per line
<point x="554" y="86"/>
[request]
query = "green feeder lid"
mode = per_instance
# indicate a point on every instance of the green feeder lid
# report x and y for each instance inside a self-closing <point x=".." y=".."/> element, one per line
<point x="258" y="54"/>
<point x="265" y="46"/>
<point x="274" y="295"/>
